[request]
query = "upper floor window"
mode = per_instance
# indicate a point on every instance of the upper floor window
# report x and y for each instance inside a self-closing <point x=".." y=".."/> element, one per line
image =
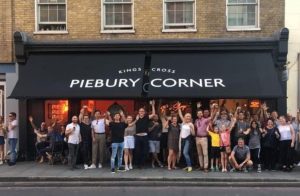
<point x="51" y="15"/>
<point x="179" y="15"/>
<point x="242" y="14"/>
<point x="117" y="15"/>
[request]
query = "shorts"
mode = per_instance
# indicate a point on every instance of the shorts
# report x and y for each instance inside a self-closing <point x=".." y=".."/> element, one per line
<point x="129" y="142"/>
<point x="225" y="149"/>
<point x="215" y="152"/>
<point x="239" y="161"/>
<point x="154" y="146"/>
<point x="2" y="142"/>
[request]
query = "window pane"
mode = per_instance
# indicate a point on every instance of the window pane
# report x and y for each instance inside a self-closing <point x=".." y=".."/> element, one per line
<point x="118" y="8"/>
<point x="109" y="19"/>
<point x="179" y="17"/>
<point x="127" y="19"/>
<point x="44" y="13"/>
<point x="127" y="8"/>
<point x="170" y="6"/>
<point x="52" y="13"/>
<point x="118" y="19"/>
<point x="242" y="15"/>
<point x="109" y="8"/>
<point x="170" y="17"/>
<point x="61" y="13"/>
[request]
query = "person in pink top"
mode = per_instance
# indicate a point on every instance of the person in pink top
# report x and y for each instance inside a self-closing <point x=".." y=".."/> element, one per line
<point x="225" y="143"/>
<point x="201" y="125"/>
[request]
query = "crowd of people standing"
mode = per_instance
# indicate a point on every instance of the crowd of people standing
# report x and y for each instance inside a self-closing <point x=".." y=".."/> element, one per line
<point x="217" y="140"/>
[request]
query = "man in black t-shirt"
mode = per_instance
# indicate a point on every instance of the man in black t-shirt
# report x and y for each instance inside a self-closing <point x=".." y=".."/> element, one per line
<point x="86" y="135"/>
<point x="117" y="128"/>
<point x="155" y="130"/>
<point x="141" y="137"/>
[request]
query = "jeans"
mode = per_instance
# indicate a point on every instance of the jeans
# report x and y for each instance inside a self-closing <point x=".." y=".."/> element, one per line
<point x="185" y="143"/>
<point x="141" y="149"/>
<point x="12" y="142"/>
<point x="73" y="152"/>
<point x="117" y="148"/>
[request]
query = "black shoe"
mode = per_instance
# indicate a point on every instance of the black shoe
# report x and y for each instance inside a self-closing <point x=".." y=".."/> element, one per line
<point x="113" y="171"/>
<point x="121" y="169"/>
<point x="11" y="163"/>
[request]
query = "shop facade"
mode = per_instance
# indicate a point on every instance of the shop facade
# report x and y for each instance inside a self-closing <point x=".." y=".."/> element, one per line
<point x="56" y="78"/>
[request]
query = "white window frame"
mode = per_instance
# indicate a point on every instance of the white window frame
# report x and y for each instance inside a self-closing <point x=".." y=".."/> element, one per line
<point x="164" y="29"/>
<point x="103" y="19"/>
<point x="37" y="31"/>
<point x="244" y="28"/>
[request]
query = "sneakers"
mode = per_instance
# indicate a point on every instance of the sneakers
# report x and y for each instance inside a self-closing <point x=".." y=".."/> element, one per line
<point x="130" y="166"/>
<point x="93" y="166"/>
<point x="11" y="163"/>
<point x="189" y="169"/>
<point x="258" y="169"/>
<point x="85" y="166"/>
<point x="224" y="170"/>
<point x="245" y="170"/>
<point x="113" y="171"/>
<point x="127" y="168"/>
<point x="99" y="165"/>
<point x="121" y="169"/>
<point x="232" y="170"/>
<point x="1" y="162"/>
<point x="217" y="169"/>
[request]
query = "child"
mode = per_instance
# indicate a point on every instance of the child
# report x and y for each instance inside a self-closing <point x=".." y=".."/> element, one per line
<point x="225" y="143"/>
<point x="215" y="147"/>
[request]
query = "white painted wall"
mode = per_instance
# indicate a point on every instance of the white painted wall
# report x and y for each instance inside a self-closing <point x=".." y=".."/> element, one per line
<point x="292" y="22"/>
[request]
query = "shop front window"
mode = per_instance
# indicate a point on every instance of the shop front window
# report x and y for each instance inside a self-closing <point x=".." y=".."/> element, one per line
<point x="56" y="110"/>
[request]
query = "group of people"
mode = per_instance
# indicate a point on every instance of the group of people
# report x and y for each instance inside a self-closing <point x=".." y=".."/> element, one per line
<point x="216" y="140"/>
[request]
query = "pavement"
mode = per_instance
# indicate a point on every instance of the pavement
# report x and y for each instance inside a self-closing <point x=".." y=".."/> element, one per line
<point x="27" y="174"/>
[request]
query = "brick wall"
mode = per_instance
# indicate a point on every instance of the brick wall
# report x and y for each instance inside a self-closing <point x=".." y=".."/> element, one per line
<point x="5" y="31"/>
<point x="83" y="20"/>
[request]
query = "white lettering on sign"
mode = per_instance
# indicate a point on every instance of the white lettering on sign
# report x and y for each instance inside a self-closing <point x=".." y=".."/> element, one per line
<point x="156" y="83"/>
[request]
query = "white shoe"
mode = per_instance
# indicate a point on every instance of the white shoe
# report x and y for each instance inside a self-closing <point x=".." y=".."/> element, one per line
<point x="298" y="164"/>
<point x="100" y="166"/>
<point x="93" y="166"/>
<point x="126" y="168"/>
<point x="130" y="166"/>
<point x="1" y="162"/>
<point x="86" y="166"/>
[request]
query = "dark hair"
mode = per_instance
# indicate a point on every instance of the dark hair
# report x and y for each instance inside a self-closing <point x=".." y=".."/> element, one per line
<point x="199" y="110"/>
<point x="13" y="114"/>
<point x="86" y="115"/>
<point x="97" y="111"/>
<point x="241" y="138"/>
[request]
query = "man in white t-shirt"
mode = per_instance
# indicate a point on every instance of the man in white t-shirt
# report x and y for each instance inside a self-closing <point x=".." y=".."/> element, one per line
<point x="12" y="136"/>
<point x="74" y="138"/>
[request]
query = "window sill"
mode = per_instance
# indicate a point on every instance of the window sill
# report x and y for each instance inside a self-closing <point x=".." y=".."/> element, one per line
<point x="117" y="31"/>
<point x="243" y="29"/>
<point x="179" y="30"/>
<point x="50" y="32"/>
